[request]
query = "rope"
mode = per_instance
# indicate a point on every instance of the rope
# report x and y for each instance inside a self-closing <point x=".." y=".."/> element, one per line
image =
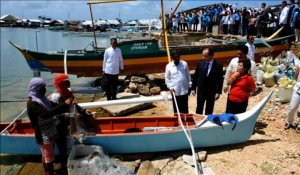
<point x="14" y="121"/>
<point x="189" y="137"/>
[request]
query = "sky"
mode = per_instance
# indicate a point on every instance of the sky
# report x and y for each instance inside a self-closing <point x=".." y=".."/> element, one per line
<point x="79" y="10"/>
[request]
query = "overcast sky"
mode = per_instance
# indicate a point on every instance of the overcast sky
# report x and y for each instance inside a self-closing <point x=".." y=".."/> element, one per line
<point x="74" y="10"/>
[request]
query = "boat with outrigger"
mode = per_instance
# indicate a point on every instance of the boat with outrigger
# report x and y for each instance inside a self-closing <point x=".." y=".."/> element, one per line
<point x="141" y="56"/>
<point x="145" y="55"/>
<point x="142" y="133"/>
<point x="152" y="133"/>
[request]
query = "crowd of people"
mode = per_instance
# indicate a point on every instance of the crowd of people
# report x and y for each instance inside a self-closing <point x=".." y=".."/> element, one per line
<point x="227" y="19"/>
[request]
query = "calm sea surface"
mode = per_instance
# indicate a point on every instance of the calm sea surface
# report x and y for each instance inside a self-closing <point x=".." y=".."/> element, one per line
<point x="15" y="73"/>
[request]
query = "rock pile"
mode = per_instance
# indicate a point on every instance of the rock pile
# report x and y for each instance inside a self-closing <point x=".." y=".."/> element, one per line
<point x="141" y="85"/>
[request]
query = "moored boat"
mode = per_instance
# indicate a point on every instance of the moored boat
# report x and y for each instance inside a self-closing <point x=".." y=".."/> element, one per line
<point x="144" y="134"/>
<point x="140" y="56"/>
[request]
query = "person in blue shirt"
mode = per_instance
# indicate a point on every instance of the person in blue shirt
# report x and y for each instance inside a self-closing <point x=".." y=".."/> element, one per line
<point x="237" y="22"/>
<point x="196" y="21"/>
<point x="179" y="22"/>
<point x="209" y="20"/>
<point x="296" y="23"/>
<point x="190" y="21"/>
<point x="203" y="23"/>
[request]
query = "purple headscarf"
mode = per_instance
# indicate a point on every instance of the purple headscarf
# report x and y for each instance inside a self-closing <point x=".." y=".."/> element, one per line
<point x="34" y="86"/>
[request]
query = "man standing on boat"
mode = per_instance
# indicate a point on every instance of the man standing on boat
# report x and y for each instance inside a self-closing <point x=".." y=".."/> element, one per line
<point x="112" y="64"/>
<point x="178" y="79"/>
<point x="208" y="79"/>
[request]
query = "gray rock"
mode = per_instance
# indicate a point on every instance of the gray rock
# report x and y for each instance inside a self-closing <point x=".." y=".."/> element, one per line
<point x="155" y="90"/>
<point x="132" y="166"/>
<point x="161" y="162"/>
<point x="144" y="90"/>
<point x="178" y="167"/>
<point x="147" y="168"/>
<point x="133" y="87"/>
<point x="188" y="159"/>
<point x="128" y="90"/>
<point x="135" y="79"/>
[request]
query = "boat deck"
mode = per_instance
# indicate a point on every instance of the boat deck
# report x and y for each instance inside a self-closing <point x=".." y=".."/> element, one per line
<point x="114" y="125"/>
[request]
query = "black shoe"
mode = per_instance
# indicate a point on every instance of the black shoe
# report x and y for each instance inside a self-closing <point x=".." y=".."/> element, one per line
<point x="287" y="126"/>
<point x="298" y="129"/>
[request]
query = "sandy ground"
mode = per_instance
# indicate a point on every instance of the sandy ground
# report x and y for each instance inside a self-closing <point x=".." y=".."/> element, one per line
<point x="271" y="149"/>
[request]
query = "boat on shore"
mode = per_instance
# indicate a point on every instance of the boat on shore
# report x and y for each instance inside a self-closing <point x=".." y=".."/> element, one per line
<point x="143" y="134"/>
<point x="141" y="56"/>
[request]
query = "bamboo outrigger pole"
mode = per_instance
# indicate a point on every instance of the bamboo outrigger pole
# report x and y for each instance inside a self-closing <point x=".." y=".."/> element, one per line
<point x="164" y="30"/>
<point x="90" y="3"/>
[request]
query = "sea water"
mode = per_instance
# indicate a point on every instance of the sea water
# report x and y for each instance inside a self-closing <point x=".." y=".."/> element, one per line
<point x="16" y="74"/>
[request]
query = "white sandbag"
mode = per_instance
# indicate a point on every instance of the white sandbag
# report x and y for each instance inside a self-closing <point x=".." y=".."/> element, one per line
<point x="269" y="80"/>
<point x="285" y="94"/>
<point x="260" y="76"/>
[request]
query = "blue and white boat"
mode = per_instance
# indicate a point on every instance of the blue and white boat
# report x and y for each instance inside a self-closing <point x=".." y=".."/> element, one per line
<point x="144" y="134"/>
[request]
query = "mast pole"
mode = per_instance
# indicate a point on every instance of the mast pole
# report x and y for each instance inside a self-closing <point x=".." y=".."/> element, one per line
<point x="93" y="27"/>
<point x="165" y="31"/>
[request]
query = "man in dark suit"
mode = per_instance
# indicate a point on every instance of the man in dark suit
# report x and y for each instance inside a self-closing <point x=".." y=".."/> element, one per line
<point x="208" y="80"/>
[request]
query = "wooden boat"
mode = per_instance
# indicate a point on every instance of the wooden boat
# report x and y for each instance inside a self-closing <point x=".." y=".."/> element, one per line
<point x="140" y="56"/>
<point x="144" y="134"/>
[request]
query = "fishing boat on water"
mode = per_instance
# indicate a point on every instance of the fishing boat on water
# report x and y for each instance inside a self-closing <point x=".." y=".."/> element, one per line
<point x="140" y="56"/>
<point x="143" y="134"/>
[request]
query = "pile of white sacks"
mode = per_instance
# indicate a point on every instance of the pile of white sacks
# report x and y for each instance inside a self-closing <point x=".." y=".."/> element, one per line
<point x="279" y="70"/>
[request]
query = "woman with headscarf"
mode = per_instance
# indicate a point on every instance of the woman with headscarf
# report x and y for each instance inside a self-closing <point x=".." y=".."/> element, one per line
<point x="41" y="113"/>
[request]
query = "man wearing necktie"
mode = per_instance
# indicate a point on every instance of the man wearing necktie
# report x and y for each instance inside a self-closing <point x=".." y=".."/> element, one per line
<point x="208" y="81"/>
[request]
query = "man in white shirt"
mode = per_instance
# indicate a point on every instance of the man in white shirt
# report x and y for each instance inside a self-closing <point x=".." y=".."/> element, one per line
<point x="112" y="64"/>
<point x="283" y="19"/>
<point x="178" y="79"/>
<point x="251" y="48"/>
<point x="242" y="52"/>
<point x="294" y="103"/>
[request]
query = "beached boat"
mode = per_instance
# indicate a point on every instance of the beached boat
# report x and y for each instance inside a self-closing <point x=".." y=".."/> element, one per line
<point x="144" y="134"/>
<point x="140" y="56"/>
